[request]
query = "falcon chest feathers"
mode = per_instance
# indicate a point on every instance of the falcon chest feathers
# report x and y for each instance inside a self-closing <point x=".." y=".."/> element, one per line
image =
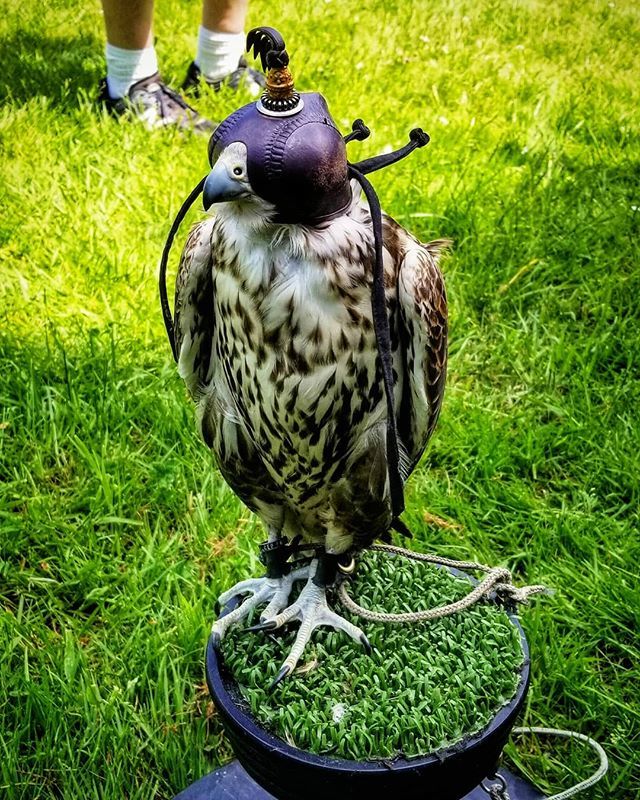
<point x="311" y="331"/>
<point x="278" y="349"/>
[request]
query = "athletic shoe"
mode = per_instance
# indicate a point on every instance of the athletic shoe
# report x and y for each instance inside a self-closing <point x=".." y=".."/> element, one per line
<point x="243" y="76"/>
<point x="156" y="105"/>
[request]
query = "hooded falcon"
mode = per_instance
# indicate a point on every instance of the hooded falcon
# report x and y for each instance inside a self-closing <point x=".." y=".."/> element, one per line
<point x="311" y="332"/>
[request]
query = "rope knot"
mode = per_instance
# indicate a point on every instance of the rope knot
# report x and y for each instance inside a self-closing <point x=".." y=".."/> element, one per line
<point x="509" y="594"/>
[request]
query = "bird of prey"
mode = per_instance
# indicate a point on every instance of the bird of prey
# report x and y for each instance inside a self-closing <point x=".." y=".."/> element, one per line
<point x="277" y="342"/>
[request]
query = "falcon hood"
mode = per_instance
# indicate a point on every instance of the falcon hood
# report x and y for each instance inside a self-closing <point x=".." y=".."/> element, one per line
<point x="298" y="163"/>
<point x="296" y="156"/>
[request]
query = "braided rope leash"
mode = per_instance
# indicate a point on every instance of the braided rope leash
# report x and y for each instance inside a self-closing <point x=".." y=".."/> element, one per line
<point x="498" y="580"/>
<point x="499" y="790"/>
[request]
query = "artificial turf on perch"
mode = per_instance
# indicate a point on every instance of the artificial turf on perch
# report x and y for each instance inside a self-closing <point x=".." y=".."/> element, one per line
<point x="426" y="687"/>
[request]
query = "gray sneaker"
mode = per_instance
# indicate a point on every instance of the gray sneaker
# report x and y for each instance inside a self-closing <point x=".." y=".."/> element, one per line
<point x="243" y="75"/>
<point x="156" y="105"/>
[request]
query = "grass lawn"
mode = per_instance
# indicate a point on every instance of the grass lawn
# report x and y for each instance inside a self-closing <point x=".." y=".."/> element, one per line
<point x="117" y="533"/>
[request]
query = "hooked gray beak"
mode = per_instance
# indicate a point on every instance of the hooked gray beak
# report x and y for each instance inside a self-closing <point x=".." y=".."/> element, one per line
<point x="219" y="187"/>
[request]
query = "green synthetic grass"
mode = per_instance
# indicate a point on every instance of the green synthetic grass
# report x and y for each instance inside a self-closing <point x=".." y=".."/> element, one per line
<point x="424" y="688"/>
<point x="117" y="534"/>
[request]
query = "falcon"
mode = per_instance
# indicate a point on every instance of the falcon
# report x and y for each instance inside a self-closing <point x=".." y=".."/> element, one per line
<point x="311" y="332"/>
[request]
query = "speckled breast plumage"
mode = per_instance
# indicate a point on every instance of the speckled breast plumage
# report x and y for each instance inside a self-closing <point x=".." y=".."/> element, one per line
<point x="295" y="347"/>
<point x="278" y="349"/>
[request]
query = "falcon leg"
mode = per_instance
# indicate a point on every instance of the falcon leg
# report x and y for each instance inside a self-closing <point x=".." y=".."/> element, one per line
<point x="274" y="589"/>
<point x="312" y="611"/>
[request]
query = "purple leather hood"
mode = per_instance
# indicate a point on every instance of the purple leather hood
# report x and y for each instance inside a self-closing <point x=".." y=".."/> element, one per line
<point x="299" y="162"/>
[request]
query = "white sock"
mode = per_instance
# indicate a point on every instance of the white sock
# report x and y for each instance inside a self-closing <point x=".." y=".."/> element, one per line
<point x="218" y="53"/>
<point x="126" y="67"/>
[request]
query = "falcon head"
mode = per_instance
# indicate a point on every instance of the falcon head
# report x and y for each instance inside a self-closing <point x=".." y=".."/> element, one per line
<point x="284" y="149"/>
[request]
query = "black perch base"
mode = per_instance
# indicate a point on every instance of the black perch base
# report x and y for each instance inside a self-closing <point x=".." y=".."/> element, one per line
<point x="233" y="783"/>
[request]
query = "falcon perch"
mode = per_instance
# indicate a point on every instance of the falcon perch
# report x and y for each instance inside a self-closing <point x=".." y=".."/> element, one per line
<point x="283" y="353"/>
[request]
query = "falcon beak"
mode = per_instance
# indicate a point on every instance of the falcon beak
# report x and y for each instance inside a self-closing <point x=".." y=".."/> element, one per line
<point x="219" y="187"/>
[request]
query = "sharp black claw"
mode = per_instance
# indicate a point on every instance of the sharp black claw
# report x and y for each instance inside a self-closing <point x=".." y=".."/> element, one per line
<point x="284" y="671"/>
<point x="215" y="640"/>
<point x="366" y="644"/>
<point x="216" y="608"/>
<point x="269" y="625"/>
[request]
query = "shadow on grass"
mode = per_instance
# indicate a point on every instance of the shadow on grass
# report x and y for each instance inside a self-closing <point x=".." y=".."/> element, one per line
<point x="48" y="66"/>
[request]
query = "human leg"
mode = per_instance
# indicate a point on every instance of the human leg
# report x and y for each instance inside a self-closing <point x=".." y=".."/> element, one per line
<point x="128" y="23"/>
<point x="221" y="43"/>
<point x="130" y="53"/>
<point x="224" y="16"/>
<point x="133" y="85"/>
